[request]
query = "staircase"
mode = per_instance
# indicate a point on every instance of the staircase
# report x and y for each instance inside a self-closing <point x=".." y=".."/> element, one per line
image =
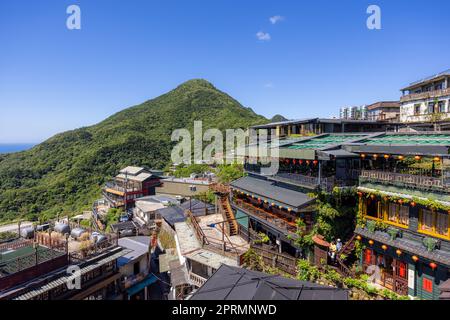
<point x="228" y="215"/>
<point x="349" y="246"/>
<point x="223" y="192"/>
<point x="342" y="264"/>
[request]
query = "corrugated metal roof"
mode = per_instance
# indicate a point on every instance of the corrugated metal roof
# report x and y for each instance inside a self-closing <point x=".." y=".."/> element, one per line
<point x="233" y="283"/>
<point x="270" y="190"/>
<point x="66" y="278"/>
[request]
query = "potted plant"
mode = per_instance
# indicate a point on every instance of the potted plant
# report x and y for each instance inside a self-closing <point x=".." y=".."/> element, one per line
<point x="430" y="243"/>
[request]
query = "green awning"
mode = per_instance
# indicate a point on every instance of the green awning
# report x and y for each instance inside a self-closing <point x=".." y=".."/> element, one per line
<point x="150" y="279"/>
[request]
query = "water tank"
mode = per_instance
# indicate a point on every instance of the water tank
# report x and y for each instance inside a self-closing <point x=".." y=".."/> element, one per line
<point x="42" y="227"/>
<point x="27" y="233"/>
<point x="98" y="237"/>
<point x="77" y="233"/>
<point x="62" y="228"/>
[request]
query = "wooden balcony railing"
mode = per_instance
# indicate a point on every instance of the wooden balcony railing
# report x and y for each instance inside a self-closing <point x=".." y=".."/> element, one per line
<point x="405" y="179"/>
<point x="273" y="219"/>
<point x="425" y="95"/>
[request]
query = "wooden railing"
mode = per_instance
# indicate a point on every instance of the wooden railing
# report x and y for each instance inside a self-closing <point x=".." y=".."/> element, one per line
<point x="16" y="244"/>
<point x="269" y="217"/>
<point x="425" y="95"/>
<point x="198" y="230"/>
<point x="278" y="260"/>
<point x="407" y="179"/>
<point x="220" y="188"/>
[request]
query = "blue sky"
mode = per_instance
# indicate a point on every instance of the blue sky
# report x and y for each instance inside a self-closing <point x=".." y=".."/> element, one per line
<point x="320" y="57"/>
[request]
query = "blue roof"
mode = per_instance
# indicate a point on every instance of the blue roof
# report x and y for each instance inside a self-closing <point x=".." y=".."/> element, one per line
<point x="150" y="279"/>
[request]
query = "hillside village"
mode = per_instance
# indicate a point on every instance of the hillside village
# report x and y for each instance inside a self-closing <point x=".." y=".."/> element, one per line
<point x="359" y="209"/>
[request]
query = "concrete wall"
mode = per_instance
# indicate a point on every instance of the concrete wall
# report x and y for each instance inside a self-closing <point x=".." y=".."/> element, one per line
<point x="407" y="110"/>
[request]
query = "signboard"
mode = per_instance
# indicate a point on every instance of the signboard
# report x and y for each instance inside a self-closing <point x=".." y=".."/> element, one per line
<point x="411" y="278"/>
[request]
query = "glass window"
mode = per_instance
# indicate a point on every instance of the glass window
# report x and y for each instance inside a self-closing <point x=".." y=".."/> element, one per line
<point x="427" y="285"/>
<point x="426" y="222"/>
<point x="403" y="215"/>
<point x="392" y="212"/>
<point x="417" y="109"/>
<point x="368" y="256"/>
<point x="442" y="223"/>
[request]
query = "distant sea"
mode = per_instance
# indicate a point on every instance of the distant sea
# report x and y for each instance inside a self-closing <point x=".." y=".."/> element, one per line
<point x="15" y="147"/>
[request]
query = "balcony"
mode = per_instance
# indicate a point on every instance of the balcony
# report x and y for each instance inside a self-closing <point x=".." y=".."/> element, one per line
<point x="116" y="187"/>
<point x="415" y="181"/>
<point x="272" y="219"/>
<point x="425" y="95"/>
<point x="196" y="280"/>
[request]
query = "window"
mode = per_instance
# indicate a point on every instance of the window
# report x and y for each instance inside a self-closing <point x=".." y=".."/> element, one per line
<point x="136" y="268"/>
<point x="442" y="223"/>
<point x="430" y="107"/>
<point x="373" y="209"/>
<point x="403" y="215"/>
<point x="401" y="270"/>
<point x="427" y="285"/>
<point x="434" y="222"/>
<point x="441" y="106"/>
<point x="417" y="109"/>
<point x="368" y="256"/>
<point x="426" y="220"/>
<point x="398" y="214"/>
<point x="392" y="212"/>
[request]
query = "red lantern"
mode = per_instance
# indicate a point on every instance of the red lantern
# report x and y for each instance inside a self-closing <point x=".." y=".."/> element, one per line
<point x="372" y="196"/>
<point x="398" y="252"/>
<point x="300" y="161"/>
<point x="308" y="162"/>
<point x="360" y="194"/>
<point x="417" y="158"/>
<point x="413" y="204"/>
<point x="433" y="265"/>
<point x="358" y="237"/>
<point x="371" y="242"/>
<point x="384" y="247"/>
<point x="315" y="162"/>
<point x="294" y="161"/>
<point x="415" y="258"/>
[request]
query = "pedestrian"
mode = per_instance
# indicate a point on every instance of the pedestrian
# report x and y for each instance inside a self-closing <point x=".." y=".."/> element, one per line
<point x="333" y="252"/>
<point x="338" y="245"/>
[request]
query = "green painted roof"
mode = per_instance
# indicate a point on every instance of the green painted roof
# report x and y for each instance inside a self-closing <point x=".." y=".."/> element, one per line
<point x="410" y="139"/>
<point x="325" y="141"/>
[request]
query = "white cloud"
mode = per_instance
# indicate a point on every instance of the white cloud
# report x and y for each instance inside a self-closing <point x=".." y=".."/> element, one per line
<point x="275" y="19"/>
<point x="263" y="36"/>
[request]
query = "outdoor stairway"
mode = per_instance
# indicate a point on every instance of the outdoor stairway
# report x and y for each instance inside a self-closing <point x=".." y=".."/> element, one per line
<point x="225" y="209"/>
<point x="342" y="264"/>
<point x="348" y="248"/>
<point x="228" y="214"/>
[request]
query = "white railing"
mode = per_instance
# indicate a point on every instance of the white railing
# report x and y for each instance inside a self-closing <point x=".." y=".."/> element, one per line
<point x="196" y="280"/>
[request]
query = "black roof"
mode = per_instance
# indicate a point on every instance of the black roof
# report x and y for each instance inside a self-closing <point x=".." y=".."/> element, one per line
<point x="233" y="283"/>
<point x="197" y="207"/>
<point x="269" y="189"/>
<point x="172" y="215"/>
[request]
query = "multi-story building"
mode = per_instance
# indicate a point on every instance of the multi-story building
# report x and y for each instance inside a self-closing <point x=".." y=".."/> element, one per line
<point x="353" y="113"/>
<point x="426" y="100"/>
<point x="203" y="246"/>
<point x="292" y="129"/>
<point x="56" y="267"/>
<point x="404" y="205"/>
<point x="384" y="111"/>
<point x="129" y="184"/>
